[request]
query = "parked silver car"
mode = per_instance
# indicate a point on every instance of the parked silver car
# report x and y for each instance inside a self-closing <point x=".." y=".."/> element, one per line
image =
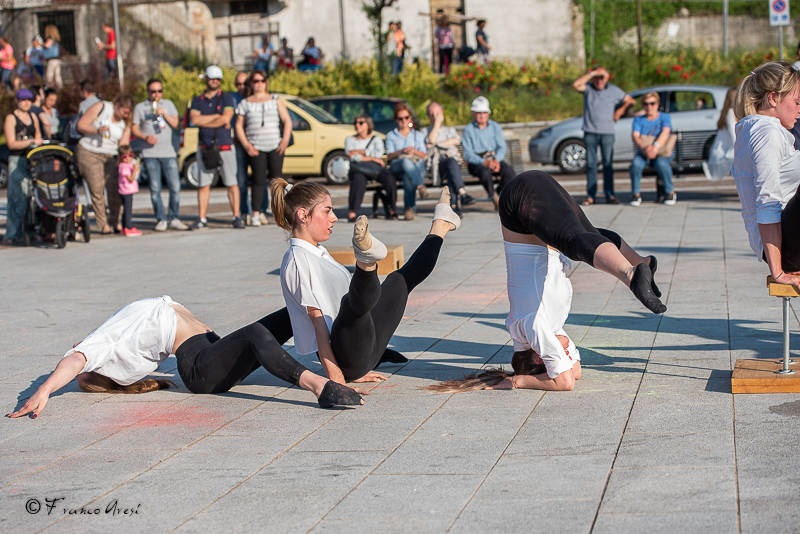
<point x="694" y="110"/>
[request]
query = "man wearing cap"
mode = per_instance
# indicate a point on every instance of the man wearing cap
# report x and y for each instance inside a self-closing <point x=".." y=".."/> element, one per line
<point x="485" y="149"/>
<point x="599" y="100"/>
<point x="212" y="112"/>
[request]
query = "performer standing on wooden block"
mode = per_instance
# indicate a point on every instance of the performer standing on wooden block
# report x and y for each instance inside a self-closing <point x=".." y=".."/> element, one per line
<point x="347" y="321"/>
<point x="766" y="167"/>
<point x="542" y="226"/>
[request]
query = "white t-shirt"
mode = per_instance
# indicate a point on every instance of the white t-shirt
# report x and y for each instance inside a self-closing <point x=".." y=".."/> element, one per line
<point x="766" y="168"/>
<point x="132" y="342"/>
<point x="311" y="277"/>
<point x="109" y="143"/>
<point x="540" y="295"/>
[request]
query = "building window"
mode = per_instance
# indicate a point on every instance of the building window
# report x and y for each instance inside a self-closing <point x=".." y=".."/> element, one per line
<point x="246" y="8"/>
<point x="65" y="22"/>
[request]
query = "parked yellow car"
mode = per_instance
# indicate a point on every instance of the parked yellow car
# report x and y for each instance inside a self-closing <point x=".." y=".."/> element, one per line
<point x="318" y="148"/>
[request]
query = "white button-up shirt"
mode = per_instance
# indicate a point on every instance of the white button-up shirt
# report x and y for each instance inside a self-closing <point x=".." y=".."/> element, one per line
<point x="311" y="277"/>
<point x="766" y="168"/>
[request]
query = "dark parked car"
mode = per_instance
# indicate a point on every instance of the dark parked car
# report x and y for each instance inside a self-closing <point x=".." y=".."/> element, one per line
<point x="347" y="107"/>
<point x="694" y="110"/>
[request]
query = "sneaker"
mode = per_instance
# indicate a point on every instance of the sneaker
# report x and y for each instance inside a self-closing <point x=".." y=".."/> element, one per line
<point x="670" y="199"/>
<point x="636" y="201"/>
<point x="202" y="224"/>
<point x="612" y="200"/>
<point x="255" y="220"/>
<point x="176" y="224"/>
<point x="466" y="200"/>
<point x="130" y="232"/>
<point x="238" y="222"/>
<point x="409" y="214"/>
<point x="263" y="218"/>
<point x="457" y="209"/>
<point x="161" y="226"/>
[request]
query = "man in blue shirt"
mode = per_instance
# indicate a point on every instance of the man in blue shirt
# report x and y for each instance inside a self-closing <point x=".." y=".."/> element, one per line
<point x="485" y="149"/>
<point x="212" y="112"/>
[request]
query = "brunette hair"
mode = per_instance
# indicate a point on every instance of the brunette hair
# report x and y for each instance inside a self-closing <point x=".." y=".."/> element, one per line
<point x="285" y="203"/>
<point x="401" y="106"/>
<point x="124" y="150"/>
<point x="96" y="383"/>
<point x="523" y="363"/>
<point x="368" y="120"/>
<point x="125" y="101"/>
<point x="774" y="77"/>
<point x="730" y="100"/>
<point x="250" y="88"/>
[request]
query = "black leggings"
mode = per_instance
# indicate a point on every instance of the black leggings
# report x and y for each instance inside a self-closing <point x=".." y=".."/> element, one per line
<point x="358" y="186"/>
<point x="370" y="311"/>
<point x="534" y="203"/>
<point x="210" y="364"/>
<point x="266" y="165"/>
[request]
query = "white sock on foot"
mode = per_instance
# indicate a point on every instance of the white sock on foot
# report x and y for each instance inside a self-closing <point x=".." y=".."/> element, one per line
<point x="444" y="212"/>
<point x="366" y="248"/>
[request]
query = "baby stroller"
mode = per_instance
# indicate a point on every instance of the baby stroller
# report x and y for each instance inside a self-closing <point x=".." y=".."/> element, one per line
<point x="55" y="203"/>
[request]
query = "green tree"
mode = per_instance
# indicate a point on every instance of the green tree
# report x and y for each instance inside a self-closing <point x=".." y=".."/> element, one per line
<point x="374" y="11"/>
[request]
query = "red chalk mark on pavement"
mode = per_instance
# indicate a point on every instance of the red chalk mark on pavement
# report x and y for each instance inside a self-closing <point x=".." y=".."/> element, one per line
<point x="177" y="416"/>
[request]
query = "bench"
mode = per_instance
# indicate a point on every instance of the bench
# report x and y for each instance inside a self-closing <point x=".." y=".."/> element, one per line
<point x="770" y="375"/>
<point x="393" y="260"/>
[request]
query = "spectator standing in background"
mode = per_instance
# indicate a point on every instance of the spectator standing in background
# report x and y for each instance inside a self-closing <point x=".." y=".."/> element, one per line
<point x="48" y="117"/>
<point x="285" y="55"/>
<point x="51" y="51"/>
<point x="34" y="56"/>
<point x="242" y="91"/>
<point x="397" y="42"/>
<point x="7" y="62"/>
<point x="600" y="99"/>
<point x="482" y="40"/>
<point x="110" y="47"/>
<point x="153" y="122"/>
<point x="213" y="112"/>
<point x="445" y="42"/>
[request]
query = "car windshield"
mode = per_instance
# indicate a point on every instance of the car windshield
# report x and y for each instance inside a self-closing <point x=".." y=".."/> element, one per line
<point x="315" y="111"/>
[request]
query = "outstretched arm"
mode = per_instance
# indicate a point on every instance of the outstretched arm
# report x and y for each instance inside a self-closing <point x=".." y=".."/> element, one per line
<point x="326" y="356"/>
<point x="67" y="369"/>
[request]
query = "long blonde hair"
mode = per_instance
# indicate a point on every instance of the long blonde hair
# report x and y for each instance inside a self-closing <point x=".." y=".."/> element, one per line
<point x="286" y="203"/>
<point x="774" y="77"/>
<point x="730" y="100"/>
<point x="51" y="32"/>
<point x="96" y="383"/>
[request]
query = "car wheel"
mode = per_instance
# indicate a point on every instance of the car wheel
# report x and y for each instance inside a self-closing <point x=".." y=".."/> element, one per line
<point x="191" y="173"/>
<point x="3" y="175"/>
<point x="571" y="156"/>
<point x="335" y="167"/>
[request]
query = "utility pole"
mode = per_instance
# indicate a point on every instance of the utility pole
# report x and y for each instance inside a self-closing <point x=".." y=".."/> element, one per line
<point x="591" y="31"/>
<point x="341" y="29"/>
<point x="639" y="32"/>
<point x="724" y="28"/>
<point x="120" y="68"/>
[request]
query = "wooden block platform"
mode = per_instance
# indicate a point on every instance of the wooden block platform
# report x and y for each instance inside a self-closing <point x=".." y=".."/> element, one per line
<point x="758" y="376"/>
<point x="393" y="260"/>
<point x="780" y="290"/>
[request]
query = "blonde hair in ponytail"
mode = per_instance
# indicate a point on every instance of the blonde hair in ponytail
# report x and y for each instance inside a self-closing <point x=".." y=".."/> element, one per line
<point x="97" y="383"/>
<point x="287" y="200"/>
<point x="774" y="77"/>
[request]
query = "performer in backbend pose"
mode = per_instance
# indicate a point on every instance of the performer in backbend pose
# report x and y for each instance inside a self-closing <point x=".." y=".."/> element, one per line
<point x="347" y="321"/>
<point x="542" y="224"/>
<point x="131" y="343"/>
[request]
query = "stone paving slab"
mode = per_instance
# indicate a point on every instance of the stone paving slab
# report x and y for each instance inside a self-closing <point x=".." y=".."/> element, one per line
<point x="650" y="440"/>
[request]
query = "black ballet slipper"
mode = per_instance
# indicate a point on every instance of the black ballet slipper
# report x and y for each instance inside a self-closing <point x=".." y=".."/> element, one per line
<point x="392" y="356"/>
<point x="335" y="394"/>
<point x="642" y="287"/>
<point x="653" y="269"/>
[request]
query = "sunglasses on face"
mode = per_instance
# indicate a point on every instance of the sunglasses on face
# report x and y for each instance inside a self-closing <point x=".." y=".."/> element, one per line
<point x="361" y="122"/>
<point x="215" y="79"/>
<point x="156" y="90"/>
<point x="650" y="103"/>
<point x="241" y="84"/>
<point x="259" y="80"/>
<point x="404" y="117"/>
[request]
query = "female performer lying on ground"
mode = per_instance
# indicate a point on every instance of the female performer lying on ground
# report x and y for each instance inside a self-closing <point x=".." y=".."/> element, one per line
<point x="541" y="224"/>
<point x="347" y="321"/>
<point x="766" y="167"/>
<point x="132" y="342"/>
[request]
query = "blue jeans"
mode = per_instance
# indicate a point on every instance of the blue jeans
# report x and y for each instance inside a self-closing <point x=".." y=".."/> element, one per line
<point x="397" y="65"/>
<point x="450" y="171"/>
<point x="168" y="167"/>
<point x="663" y="172"/>
<point x="606" y="143"/>
<point x="19" y="196"/>
<point x="111" y="68"/>
<point x="411" y="173"/>
<point x="241" y="179"/>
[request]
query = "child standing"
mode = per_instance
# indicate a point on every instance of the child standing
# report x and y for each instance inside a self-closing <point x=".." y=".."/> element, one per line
<point x="128" y="171"/>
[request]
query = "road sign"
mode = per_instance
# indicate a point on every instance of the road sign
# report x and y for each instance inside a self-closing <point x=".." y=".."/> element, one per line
<point x="779" y="12"/>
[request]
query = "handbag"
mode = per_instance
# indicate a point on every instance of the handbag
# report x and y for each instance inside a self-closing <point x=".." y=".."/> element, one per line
<point x="664" y="150"/>
<point x="370" y="169"/>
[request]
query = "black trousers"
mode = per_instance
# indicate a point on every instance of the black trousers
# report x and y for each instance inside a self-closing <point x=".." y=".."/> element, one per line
<point x="790" y="230"/>
<point x="484" y="174"/>
<point x="210" y="364"/>
<point x="127" y="211"/>
<point x="534" y="203"/>
<point x="370" y="311"/>
<point x="358" y="186"/>
<point x="266" y="165"/>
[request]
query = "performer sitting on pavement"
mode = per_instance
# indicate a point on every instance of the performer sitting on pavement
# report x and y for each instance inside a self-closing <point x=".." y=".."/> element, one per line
<point x="766" y="167"/>
<point x="542" y="224"/>
<point x="131" y="344"/>
<point x="347" y="321"/>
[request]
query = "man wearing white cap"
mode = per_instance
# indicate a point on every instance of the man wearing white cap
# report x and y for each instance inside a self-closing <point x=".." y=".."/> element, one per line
<point x="212" y="113"/>
<point x="485" y="149"/>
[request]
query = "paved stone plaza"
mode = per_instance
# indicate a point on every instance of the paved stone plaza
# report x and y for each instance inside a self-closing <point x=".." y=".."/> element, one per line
<point x="651" y="440"/>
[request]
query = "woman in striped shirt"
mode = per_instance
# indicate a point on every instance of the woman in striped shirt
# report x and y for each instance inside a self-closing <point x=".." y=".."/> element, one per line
<point x="258" y="128"/>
